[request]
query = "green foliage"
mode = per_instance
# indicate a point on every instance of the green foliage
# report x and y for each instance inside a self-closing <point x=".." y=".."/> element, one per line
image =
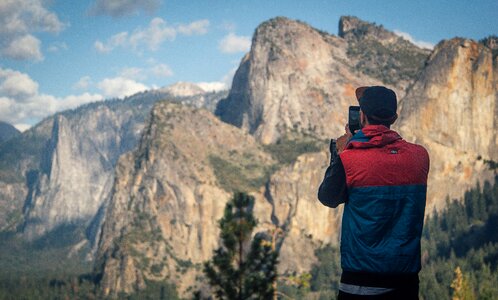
<point x="327" y="273"/>
<point x="391" y="64"/>
<point x="154" y="290"/>
<point x="236" y="272"/>
<point x="492" y="165"/>
<point x="463" y="235"/>
<point x="243" y="174"/>
<point x="287" y="149"/>
<point x="41" y="269"/>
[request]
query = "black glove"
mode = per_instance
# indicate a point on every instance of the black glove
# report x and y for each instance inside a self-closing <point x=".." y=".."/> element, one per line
<point x="333" y="150"/>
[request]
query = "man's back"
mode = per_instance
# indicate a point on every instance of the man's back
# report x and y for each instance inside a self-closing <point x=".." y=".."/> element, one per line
<point x="382" y="181"/>
<point x="386" y="179"/>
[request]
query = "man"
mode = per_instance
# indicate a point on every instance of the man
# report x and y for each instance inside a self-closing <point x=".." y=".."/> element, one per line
<point x="382" y="181"/>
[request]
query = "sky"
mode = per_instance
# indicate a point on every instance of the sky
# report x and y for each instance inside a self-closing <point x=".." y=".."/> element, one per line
<point x="59" y="54"/>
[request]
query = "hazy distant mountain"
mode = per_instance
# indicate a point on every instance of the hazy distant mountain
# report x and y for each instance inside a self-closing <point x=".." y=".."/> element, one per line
<point x="60" y="170"/>
<point x="183" y="89"/>
<point x="7" y="131"/>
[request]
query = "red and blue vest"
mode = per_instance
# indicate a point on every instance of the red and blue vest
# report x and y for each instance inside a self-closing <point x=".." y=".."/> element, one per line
<point x="383" y="217"/>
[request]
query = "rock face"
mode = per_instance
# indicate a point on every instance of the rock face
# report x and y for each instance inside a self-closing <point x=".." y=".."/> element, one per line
<point x="7" y="131"/>
<point x="77" y="167"/>
<point x="298" y="79"/>
<point x="452" y="110"/>
<point x="161" y="221"/>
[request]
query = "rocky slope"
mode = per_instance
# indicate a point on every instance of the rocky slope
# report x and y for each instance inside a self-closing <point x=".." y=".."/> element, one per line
<point x="452" y="110"/>
<point x="299" y="79"/>
<point x="161" y="221"/>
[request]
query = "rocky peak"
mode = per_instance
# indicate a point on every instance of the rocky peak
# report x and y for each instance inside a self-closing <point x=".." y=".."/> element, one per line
<point x="291" y="82"/>
<point x="492" y="43"/>
<point x="352" y="28"/>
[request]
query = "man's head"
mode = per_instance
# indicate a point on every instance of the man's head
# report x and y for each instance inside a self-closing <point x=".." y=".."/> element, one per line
<point x="378" y="105"/>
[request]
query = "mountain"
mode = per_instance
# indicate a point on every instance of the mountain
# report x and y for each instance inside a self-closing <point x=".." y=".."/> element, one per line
<point x="60" y="171"/>
<point x="7" y="131"/>
<point x="297" y="79"/>
<point x="452" y="110"/>
<point x="161" y="220"/>
<point x="146" y="180"/>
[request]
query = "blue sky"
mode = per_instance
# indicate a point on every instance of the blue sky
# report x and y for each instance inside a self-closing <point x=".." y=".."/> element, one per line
<point x="57" y="54"/>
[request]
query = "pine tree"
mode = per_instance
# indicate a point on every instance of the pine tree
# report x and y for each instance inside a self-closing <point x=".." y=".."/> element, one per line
<point x="236" y="270"/>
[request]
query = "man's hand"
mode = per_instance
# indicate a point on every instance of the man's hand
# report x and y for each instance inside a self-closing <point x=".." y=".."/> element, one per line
<point x="343" y="140"/>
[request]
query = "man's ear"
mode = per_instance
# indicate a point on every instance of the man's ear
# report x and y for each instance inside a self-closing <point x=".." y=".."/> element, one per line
<point x="363" y="119"/>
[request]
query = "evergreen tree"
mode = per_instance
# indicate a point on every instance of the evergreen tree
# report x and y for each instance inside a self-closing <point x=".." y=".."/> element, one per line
<point x="236" y="270"/>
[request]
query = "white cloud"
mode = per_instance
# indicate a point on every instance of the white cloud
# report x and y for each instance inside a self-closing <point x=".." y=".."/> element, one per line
<point x="21" y="103"/>
<point x="16" y="84"/>
<point x="198" y="27"/>
<point x="233" y="43"/>
<point x="23" y="48"/>
<point x="408" y="37"/>
<point x="119" y="87"/>
<point x="57" y="46"/>
<point x="224" y="84"/>
<point x="84" y="83"/>
<point x="132" y="73"/>
<point x="116" y="40"/>
<point x="161" y="70"/>
<point x="228" y="26"/>
<point x="73" y="101"/>
<point x="151" y="37"/>
<point x="20" y="18"/>
<point x="212" y="86"/>
<point x="120" y="8"/>
<point x="22" y="127"/>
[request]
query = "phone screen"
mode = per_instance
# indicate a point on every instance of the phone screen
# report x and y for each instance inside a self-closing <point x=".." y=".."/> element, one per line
<point x="354" y="118"/>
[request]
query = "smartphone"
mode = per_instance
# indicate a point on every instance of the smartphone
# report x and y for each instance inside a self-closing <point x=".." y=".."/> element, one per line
<point x="354" y="119"/>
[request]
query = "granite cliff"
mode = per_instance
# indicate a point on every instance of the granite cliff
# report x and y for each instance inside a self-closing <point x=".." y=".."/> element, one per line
<point x="299" y="79"/>
<point x="161" y="221"/>
<point x="452" y="110"/>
